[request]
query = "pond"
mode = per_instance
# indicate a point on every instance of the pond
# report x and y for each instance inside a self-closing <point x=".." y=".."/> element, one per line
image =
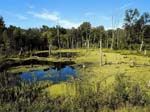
<point x="54" y="74"/>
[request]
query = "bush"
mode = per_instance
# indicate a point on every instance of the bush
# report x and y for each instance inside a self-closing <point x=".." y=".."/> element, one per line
<point x="122" y="95"/>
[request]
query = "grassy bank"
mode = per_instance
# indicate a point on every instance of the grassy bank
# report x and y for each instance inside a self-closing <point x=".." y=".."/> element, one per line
<point x="113" y="63"/>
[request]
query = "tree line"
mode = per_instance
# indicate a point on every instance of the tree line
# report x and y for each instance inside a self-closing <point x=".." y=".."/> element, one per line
<point x="134" y="34"/>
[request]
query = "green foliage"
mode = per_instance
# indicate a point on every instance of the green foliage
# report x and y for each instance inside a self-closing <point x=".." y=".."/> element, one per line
<point x="135" y="31"/>
<point x="16" y="95"/>
<point x="29" y="97"/>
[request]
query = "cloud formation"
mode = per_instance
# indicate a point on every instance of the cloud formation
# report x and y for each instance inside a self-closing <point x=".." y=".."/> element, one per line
<point x="105" y="17"/>
<point x="30" y="6"/>
<point x="54" y="17"/>
<point x="21" y="17"/>
<point x="125" y="6"/>
<point x="89" y="14"/>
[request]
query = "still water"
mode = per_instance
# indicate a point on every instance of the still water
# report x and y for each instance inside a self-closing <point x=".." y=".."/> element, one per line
<point x="54" y="74"/>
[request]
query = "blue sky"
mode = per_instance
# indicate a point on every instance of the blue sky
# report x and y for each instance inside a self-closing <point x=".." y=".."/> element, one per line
<point x="68" y="13"/>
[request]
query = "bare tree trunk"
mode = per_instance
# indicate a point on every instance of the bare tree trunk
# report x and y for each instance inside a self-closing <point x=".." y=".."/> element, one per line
<point x="72" y="46"/>
<point x="107" y="40"/>
<point x="93" y="42"/>
<point x="21" y="51"/>
<point x="112" y="33"/>
<point x="107" y="43"/>
<point x="68" y="43"/>
<point x="141" y="45"/>
<point x="112" y="40"/>
<point x="142" y="42"/>
<point x="58" y="36"/>
<point x="49" y="49"/>
<point x="76" y="44"/>
<point x="100" y="52"/>
<point x="88" y="45"/>
<point x="118" y="35"/>
<point x="82" y="42"/>
<point x="145" y="52"/>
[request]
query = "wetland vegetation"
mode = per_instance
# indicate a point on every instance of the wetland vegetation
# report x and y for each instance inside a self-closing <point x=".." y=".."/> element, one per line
<point x="84" y="69"/>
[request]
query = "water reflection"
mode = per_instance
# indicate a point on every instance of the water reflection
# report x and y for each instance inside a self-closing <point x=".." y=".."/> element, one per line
<point x="54" y="74"/>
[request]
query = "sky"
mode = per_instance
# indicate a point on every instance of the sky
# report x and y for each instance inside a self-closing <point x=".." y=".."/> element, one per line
<point x="68" y="13"/>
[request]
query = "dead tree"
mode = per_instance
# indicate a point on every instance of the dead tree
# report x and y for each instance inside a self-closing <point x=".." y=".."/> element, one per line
<point x="49" y="49"/>
<point x="141" y="45"/>
<point x="100" y="52"/>
<point x="112" y="33"/>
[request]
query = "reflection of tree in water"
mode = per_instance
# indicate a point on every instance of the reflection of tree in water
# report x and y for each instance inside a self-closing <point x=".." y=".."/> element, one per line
<point x="55" y="74"/>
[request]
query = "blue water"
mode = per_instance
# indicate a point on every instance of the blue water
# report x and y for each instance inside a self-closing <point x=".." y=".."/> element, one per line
<point x="54" y="75"/>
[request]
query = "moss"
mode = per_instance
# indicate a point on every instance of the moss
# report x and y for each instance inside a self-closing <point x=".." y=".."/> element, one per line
<point x="61" y="89"/>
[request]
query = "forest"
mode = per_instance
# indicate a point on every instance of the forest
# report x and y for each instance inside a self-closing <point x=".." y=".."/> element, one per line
<point x="84" y="69"/>
<point x="133" y="35"/>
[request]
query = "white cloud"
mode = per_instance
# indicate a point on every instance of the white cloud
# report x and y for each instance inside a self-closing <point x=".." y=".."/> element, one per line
<point x="21" y="17"/>
<point x="108" y="28"/>
<point x="69" y="24"/>
<point x="54" y="17"/>
<point x="30" y="6"/>
<point x="14" y="15"/>
<point x="45" y="15"/>
<point x="125" y="6"/>
<point x="92" y="14"/>
<point x="89" y="14"/>
<point x="105" y="17"/>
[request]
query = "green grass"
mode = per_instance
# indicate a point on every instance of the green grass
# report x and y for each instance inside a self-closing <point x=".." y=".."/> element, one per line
<point x="117" y="62"/>
<point x="95" y="73"/>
